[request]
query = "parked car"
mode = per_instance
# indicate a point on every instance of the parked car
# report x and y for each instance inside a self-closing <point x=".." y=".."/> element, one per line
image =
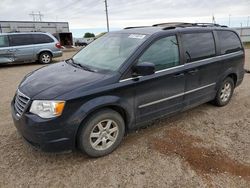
<point x="83" y="41"/>
<point x="28" y="47"/>
<point x="125" y="79"/>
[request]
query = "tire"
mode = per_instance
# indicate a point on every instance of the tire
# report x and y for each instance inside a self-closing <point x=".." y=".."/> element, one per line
<point x="105" y="126"/>
<point x="45" y="58"/>
<point x="84" y="45"/>
<point x="225" y="92"/>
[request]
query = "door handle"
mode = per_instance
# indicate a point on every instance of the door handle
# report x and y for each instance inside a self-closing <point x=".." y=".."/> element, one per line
<point x="178" y="75"/>
<point x="193" y="71"/>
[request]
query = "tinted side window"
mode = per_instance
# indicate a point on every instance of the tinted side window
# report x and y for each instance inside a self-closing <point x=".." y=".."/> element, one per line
<point x="164" y="53"/>
<point x="4" y="42"/>
<point x="198" y="46"/>
<point x="41" y="39"/>
<point x="20" y="39"/>
<point x="229" y="42"/>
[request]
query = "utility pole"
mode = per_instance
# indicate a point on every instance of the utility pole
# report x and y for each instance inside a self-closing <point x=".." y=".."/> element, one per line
<point x="33" y="16"/>
<point x="240" y="29"/>
<point x="229" y="20"/>
<point x="36" y="16"/>
<point x="40" y="16"/>
<point x="213" y="20"/>
<point x="107" y="17"/>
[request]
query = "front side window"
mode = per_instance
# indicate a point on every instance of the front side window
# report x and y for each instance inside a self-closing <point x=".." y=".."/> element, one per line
<point x="229" y="42"/>
<point x="198" y="46"/>
<point x="20" y="39"/>
<point x="110" y="51"/>
<point x="4" y="42"/>
<point x="164" y="53"/>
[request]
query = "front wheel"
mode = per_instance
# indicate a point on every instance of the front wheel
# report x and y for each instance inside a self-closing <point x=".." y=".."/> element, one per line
<point x="101" y="133"/>
<point x="225" y="92"/>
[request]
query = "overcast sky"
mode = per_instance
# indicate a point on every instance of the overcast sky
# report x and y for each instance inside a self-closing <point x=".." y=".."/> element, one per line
<point x="90" y="13"/>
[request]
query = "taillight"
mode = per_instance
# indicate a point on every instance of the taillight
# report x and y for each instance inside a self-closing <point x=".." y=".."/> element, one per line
<point x="58" y="45"/>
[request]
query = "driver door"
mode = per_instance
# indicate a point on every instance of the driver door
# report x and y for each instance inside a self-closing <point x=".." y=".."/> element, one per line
<point x="161" y="93"/>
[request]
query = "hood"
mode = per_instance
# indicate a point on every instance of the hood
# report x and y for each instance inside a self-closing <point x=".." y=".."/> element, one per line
<point x="55" y="80"/>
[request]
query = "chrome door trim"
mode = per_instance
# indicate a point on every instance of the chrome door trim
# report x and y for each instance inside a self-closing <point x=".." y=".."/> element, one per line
<point x="175" y="96"/>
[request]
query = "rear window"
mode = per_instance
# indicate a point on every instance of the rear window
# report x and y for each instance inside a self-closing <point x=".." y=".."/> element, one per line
<point x="229" y="42"/>
<point x="41" y="39"/>
<point x="20" y="39"/>
<point x="198" y="46"/>
<point x="4" y="42"/>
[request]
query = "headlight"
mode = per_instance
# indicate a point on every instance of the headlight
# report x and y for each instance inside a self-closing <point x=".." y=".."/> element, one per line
<point x="47" y="109"/>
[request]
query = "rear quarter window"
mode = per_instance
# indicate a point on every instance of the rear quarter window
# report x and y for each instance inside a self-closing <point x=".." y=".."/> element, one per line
<point x="42" y="39"/>
<point x="198" y="46"/>
<point x="229" y="42"/>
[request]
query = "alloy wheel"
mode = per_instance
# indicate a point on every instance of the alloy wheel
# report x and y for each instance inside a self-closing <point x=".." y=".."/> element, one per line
<point x="226" y="92"/>
<point x="104" y="134"/>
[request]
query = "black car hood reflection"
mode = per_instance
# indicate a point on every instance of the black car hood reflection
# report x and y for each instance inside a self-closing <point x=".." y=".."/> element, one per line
<point x="55" y="80"/>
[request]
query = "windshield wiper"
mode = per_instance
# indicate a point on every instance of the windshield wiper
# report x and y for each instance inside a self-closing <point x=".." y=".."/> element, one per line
<point x="84" y="67"/>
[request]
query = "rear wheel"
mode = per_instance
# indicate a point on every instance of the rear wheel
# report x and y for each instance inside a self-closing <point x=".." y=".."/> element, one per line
<point x="101" y="133"/>
<point x="45" y="58"/>
<point x="225" y="92"/>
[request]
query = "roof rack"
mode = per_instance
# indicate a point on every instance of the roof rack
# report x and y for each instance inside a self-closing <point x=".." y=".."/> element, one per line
<point x="135" y="27"/>
<point x="173" y="25"/>
<point x="209" y="25"/>
<point x="184" y="24"/>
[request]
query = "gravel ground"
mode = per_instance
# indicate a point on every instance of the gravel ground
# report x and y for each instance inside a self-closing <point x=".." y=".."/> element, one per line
<point x="203" y="147"/>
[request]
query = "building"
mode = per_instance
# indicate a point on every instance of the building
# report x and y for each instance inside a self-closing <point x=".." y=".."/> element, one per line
<point x="59" y="29"/>
<point x="244" y="33"/>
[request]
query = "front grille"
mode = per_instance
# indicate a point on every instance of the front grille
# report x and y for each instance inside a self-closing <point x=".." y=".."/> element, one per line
<point x="21" y="102"/>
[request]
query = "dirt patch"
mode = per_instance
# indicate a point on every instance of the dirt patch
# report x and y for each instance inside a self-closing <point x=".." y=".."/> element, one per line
<point x="204" y="161"/>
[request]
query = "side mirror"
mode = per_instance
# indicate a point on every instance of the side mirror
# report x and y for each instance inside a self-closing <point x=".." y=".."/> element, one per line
<point x="144" y="69"/>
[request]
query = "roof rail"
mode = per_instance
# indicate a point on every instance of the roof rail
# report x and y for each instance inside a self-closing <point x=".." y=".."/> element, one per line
<point x="209" y="25"/>
<point x="173" y="24"/>
<point x="135" y="27"/>
<point x="184" y="24"/>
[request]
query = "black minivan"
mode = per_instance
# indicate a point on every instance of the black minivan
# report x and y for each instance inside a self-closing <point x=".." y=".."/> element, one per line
<point x="124" y="79"/>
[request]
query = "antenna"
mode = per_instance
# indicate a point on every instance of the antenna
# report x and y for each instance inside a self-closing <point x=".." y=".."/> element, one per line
<point x="107" y="17"/>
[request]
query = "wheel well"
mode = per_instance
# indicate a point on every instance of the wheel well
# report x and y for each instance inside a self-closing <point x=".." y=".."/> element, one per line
<point x="118" y="109"/>
<point x="43" y="52"/>
<point x="234" y="77"/>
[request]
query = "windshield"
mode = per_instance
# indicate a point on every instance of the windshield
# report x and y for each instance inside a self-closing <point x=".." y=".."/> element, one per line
<point x="109" y="51"/>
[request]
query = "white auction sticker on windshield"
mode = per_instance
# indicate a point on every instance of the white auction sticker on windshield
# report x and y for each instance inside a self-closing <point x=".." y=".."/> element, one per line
<point x="136" y="36"/>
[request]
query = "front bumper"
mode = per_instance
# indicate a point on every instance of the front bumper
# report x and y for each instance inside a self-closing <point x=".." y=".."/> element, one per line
<point x="50" y="135"/>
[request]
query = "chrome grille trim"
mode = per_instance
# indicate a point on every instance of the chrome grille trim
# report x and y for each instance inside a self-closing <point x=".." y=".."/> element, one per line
<point x="21" y="102"/>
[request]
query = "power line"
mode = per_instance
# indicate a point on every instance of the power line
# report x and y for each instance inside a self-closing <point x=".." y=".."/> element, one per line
<point x="107" y="17"/>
